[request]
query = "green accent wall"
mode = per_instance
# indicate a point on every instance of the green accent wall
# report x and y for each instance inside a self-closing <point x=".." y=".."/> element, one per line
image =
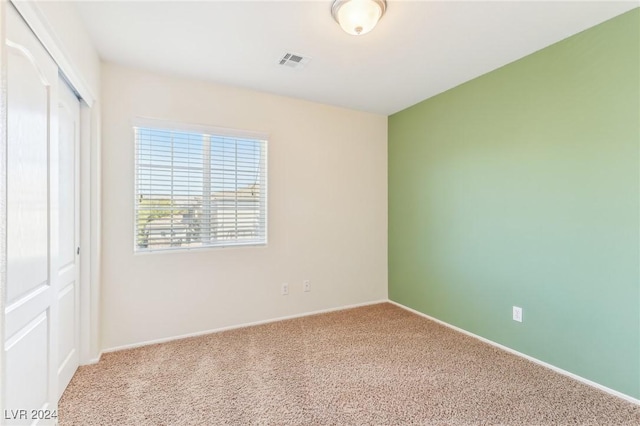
<point x="522" y="187"/>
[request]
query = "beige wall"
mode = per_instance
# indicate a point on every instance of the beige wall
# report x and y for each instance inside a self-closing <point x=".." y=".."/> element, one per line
<point x="327" y="213"/>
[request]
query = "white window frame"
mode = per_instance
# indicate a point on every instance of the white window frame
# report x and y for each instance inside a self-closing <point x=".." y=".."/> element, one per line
<point x="213" y="132"/>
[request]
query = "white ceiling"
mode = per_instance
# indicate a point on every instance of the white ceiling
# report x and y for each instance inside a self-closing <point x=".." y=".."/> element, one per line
<point x="419" y="48"/>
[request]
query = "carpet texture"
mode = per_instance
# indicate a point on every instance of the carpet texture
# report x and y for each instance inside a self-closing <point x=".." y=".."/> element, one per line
<point x="375" y="365"/>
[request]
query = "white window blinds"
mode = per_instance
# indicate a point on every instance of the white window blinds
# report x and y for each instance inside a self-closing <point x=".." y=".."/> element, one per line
<point x="198" y="189"/>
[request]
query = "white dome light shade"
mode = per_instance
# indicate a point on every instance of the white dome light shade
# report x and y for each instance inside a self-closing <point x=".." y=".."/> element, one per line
<point x="357" y="17"/>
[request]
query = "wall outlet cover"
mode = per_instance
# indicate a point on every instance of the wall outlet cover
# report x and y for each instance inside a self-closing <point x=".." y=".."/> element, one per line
<point x="517" y="314"/>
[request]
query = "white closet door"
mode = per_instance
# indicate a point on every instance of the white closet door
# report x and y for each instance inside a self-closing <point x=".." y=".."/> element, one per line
<point x="68" y="273"/>
<point x="31" y="316"/>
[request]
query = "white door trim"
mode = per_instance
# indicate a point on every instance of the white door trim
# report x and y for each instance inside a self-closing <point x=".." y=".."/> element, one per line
<point x="90" y="196"/>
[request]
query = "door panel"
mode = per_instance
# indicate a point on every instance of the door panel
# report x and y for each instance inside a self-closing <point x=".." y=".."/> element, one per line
<point x="27" y="169"/>
<point x="27" y="361"/>
<point x="69" y="296"/>
<point x="67" y="343"/>
<point x="68" y="130"/>
<point x="31" y="314"/>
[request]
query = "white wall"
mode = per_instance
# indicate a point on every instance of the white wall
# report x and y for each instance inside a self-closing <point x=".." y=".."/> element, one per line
<point x="327" y="213"/>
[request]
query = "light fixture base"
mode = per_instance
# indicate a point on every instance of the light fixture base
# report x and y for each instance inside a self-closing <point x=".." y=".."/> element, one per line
<point x="357" y="29"/>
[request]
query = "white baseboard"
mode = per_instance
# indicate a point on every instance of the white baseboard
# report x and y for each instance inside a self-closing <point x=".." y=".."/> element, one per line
<point x="94" y="360"/>
<point x="233" y="327"/>
<point x="520" y="354"/>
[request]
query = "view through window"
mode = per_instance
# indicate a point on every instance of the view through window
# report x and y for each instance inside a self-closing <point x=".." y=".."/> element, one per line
<point x="198" y="189"/>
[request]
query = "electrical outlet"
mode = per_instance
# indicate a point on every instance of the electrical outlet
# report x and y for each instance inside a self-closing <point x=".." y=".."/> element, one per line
<point x="306" y="285"/>
<point x="284" y="290"/>
<point x="517" y="314"/>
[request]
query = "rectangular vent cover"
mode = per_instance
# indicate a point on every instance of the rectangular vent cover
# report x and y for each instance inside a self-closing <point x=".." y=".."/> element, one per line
<point x="294" y="60"/>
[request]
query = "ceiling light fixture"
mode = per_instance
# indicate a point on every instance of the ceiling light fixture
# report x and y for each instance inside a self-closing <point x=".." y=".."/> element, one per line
<point x="358" y="17"/>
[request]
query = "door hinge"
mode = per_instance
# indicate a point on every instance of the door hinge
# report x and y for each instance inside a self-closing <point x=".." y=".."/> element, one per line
<point x="78" y="250"/>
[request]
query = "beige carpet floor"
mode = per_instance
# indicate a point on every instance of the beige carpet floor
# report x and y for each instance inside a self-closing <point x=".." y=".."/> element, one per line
<point x="375" y="365"/>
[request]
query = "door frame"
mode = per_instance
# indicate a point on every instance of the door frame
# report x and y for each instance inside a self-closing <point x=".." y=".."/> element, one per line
<point x="90" y="194"/>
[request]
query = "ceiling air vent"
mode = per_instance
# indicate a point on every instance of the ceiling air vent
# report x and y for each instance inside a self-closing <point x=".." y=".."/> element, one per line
<point x="294" y="60"/>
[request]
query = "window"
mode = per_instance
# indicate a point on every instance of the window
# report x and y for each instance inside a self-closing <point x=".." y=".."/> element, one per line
<point x="197" y="187"/>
